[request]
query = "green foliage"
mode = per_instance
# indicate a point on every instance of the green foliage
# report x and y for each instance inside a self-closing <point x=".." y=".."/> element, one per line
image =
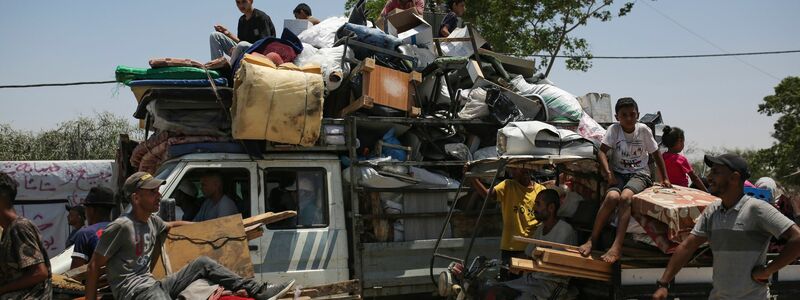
<point x="374" y="7"/>
<point x="783" y="158"/>
<point x="542" y="27"/>
<point x="78" y="139"/>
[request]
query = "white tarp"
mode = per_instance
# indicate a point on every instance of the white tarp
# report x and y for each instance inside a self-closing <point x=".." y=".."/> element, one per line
<point x="58" y="180"/>
<point x="45" y="187"/>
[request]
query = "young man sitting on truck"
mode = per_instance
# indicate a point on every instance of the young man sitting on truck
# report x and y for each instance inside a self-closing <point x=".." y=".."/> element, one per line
<point x="126" y="248"/>
<point x="632" y="145"/>
<point x="98" y="205"/>
<point x="551" y="228"/>
<point x="516" y="197"/>
<point x="24" y="265"/>
<point x="738" y="228"/>
<point x="253" y="26"/>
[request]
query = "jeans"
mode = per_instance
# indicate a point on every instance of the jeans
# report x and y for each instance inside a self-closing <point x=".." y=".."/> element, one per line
<point x="202" y="267"/>
<point x="222" y="45"/>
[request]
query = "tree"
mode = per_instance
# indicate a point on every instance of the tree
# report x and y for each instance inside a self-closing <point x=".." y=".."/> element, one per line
<point x="525" y="28"/>
<point x="81" y="138"/>
<point x="782" y="160"/>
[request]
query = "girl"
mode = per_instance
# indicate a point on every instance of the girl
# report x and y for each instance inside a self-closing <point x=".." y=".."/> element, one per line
<point x="677" y="165"/>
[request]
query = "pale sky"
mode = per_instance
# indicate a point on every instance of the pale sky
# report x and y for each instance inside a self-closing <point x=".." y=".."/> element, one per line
<point x="713" y="99"/>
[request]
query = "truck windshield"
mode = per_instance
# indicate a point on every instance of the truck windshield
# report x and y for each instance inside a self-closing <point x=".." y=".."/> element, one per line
<point x="165" y="170"/>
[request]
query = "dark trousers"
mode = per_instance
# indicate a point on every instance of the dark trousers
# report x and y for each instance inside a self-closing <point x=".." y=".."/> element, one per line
<point x="200" y="268"/>
<point x="505" y="258"/>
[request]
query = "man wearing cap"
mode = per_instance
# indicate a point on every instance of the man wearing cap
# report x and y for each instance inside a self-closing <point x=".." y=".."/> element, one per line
<point x="128" y="243"/>
<point x="738" y="229"/>
<point x="98" y="205"/>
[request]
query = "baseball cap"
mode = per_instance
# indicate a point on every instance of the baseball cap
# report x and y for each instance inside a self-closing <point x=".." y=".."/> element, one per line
<point x="140" y="180"/>
<point x="99" y="196"/>
<point x="730" y="160"/>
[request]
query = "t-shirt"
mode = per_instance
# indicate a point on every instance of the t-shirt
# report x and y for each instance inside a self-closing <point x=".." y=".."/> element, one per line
<point x="210" y="210"/>
<point x="678" y="167"/>
<point x="516" y="204"/>
<point x="450" y="20"/>
<point x="129" y="246"/>
<point x="630" y="154"/>
<point x="394" y="4"/>
<point x="21" y="247"/>
<point x="739" y="238"/>
<point x="561" y="233"/>
<point x="257" y="27"/>
<point x="86" y="240"/>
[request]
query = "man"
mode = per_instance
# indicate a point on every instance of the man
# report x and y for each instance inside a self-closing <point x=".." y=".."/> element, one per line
<point x="24" y="265"/>
<point x="126" y="248"/>
<point x="303" y="12"/>
<point x="76" y="219"/>
<point x="98" y="204"/>
<point x="551" y="228"/>
<point x="738" y="229"/>
<point x="516" y="197"/>
<point x="418" y="5"/>
<point x="450" y="22"/>
<point x="253" y="26"/>
<point x="216" y="204"/>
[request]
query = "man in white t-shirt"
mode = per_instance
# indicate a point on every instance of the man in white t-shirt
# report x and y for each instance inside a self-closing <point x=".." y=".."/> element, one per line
<point x="632" y="146"/>
<point x="537" y="285"/>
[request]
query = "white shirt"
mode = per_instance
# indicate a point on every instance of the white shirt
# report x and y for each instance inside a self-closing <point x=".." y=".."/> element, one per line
<point x="630" y="151"/>
<point x="210" y="210"/>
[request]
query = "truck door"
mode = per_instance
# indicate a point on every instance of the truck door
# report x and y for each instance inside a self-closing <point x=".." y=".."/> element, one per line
<point x="311" y="247"/>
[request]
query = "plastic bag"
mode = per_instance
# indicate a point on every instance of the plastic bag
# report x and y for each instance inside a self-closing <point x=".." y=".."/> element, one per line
<point x="501" y="109"/>
<point x="474" y="102"/>
<point x="424" y="56"/>
<point x="390" y="138"/>
<point x="560" y="104"/>
<point x="329" y="60"/>
<point x="323" y="35"/>
<point x="589" y="129"/>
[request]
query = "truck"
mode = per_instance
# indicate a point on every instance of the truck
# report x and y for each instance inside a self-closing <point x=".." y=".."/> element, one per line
<point x="331" y="239"/>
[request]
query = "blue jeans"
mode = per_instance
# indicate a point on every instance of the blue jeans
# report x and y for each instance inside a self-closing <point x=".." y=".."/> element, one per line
<point x="201" y="268"/>
<point x="222" y="45"/>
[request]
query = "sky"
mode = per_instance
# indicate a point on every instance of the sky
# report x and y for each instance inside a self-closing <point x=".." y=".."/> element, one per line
<point x="714" y="100"/>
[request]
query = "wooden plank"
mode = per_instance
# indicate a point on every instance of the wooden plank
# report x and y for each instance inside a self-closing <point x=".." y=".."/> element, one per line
<point x="575" y="260"/>
<point x="223" y="240"/>
<point x="363" y="102"/>
<point x="572" y="272"/>
<point x="344" y="287"/>
<point x="254" y="231"/>
<point x="530" y="265"/>
<point x="268" y="218"/>
<point x="546" y="243"/>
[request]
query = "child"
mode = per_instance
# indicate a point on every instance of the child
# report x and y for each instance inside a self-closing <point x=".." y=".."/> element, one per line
<point x="677" y="165"/>
<point x="450" y="21"/>
<point x="632" y="145"/>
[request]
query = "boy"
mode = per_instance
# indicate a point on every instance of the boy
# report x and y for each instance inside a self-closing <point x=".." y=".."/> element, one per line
<point x="303" y="12"/>
<point x="632" y="145"/>
<point x="450" y="21"/>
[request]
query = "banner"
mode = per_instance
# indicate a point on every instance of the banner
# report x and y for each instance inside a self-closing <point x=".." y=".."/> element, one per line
<point x="51" y="218"/>
<point x="58" y="180"/>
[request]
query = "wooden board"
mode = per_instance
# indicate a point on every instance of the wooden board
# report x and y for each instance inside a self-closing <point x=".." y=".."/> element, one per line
<point x="226" y="244"/>
<point x="268" y="218"/>
<point x="530" y="265"/>
<point x="387" y="87"/>
<point x="574" y="260"/>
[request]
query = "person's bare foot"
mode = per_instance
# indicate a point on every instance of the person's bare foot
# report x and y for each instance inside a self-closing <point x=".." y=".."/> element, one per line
<point x="585" y="249"/>
<point x="611" y="256"/>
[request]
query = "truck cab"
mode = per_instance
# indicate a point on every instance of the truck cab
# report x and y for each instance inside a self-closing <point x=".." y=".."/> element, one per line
<point x="311" y="247"/>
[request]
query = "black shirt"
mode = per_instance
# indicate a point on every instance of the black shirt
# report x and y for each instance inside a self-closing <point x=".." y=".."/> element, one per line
<point x="258" y="27"/>
<point x="451" y="21"/>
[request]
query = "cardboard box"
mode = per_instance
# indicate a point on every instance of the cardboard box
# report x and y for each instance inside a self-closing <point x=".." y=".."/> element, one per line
<point x="297" y="26"/>
<point x="410" y="28"/>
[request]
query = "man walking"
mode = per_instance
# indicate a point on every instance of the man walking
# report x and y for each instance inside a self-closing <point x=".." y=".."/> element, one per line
<point x="738" y="228"/>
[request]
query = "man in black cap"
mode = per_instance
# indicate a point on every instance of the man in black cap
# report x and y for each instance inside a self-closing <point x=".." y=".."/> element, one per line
<point x="98" y="205"/>
<point x="738" y="229"/>
<point x="127" y="246"/>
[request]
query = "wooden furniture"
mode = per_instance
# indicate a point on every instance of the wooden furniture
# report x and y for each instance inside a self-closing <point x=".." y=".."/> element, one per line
<point x="387" y="87"/>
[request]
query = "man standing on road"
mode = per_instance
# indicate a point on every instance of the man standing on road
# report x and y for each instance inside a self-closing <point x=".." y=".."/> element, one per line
<point x="738" y="228"/>
<point x="126" y="248"/>
<point x="98" y="205"/>
<point x="253" y="26"/>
